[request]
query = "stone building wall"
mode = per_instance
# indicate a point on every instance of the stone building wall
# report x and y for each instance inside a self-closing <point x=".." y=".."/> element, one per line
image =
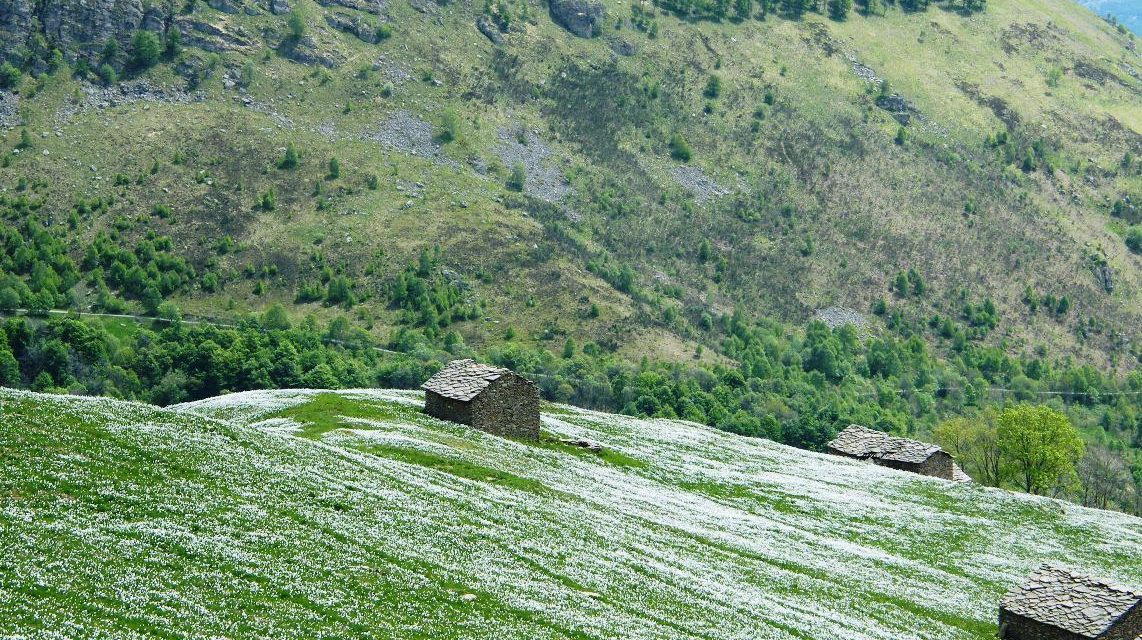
<point x="1129" y="626"/>
<point x="438" y="406"/>
<point x="1016" y="627"/>
<point x="508" y="407"/>
<point x="938" y="465"/>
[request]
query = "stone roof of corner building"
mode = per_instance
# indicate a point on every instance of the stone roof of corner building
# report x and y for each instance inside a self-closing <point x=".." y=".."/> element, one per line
<point x="463" y="379"/>
<point x="1071" y="601"/>
<point x="861" y="442"/>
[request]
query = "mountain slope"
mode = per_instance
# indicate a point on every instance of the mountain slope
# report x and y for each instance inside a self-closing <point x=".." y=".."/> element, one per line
<point x="325" y="514"/>
<point x="795" y="197"/>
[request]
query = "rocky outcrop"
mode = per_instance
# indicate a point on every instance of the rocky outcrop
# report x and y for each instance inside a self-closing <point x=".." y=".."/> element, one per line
<point x="306" y="51"/>
<point x="213" y="37"/>
<point x="899" y="108"/>
<point x="353" y="25"/>
<point x="580" y="17"/>
<point x="487" y="27"/>
<point x="375" y="7"/>
<point x="78" y="29"/>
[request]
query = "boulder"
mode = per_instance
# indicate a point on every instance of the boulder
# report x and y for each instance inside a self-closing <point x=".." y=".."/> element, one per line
<point x="589" y="445"/>
<point x="580" y="17"/>
<point x="279" y="7"/>
<point x="623" y="47"/>
<point x="489" y="29"/>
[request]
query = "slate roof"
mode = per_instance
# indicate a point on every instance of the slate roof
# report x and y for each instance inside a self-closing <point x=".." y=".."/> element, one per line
<point x="463" y="379"/>
<point x="1070" y="601"/>
<point x="859" y="442"/>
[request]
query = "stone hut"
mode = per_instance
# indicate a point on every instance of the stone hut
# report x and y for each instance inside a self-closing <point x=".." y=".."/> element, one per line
<point x="488" y="398"/>
<point x="898" y="453"/>
<point x="1057" y="604"/>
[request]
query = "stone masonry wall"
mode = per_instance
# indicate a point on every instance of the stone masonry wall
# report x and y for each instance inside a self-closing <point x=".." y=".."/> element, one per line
<point x="1016" y="627"/>
<point x="438" y="406"/>
<point x="939" y="465"/>
<point x="508" y="407"/>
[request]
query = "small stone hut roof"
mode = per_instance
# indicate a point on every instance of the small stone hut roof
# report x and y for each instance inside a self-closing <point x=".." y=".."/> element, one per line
<point x="860" y="442"/>
<point x="1070" y="601"/>
<point x="463" y="380"/>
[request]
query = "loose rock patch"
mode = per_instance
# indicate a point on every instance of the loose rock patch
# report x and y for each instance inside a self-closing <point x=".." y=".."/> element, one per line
<point x="98" y="98"/>
<point x="543" y="182"/>
<point x="695" y="180"/>
<point x="9" y="109"/>
<point x="834" y="317"/>
<point x="406" y="133"/>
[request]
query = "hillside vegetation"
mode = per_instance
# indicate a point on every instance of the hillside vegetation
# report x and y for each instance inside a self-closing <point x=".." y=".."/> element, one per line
<point x="303" y="514"/>
<point x="646" y="219"/>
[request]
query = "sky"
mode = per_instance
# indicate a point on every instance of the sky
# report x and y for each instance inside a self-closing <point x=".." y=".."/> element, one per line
<point x="1129" y="12"/>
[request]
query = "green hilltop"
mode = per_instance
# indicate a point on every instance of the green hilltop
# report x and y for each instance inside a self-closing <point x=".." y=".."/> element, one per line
<point x="304" y="514"/>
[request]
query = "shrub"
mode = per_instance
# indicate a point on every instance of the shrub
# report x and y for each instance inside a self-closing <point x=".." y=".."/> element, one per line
<point x="517" y="178"/>
<point x="334" y="169"/>
<point x="107" y="74"/>
<point x="1134" y="240"/>
<point x="384" y="32"/>
<point x="290" y="159"/>
<point x="449" y="127"/>
<point x="9" y="76"/>
<point x="247" y="77"/>
<point x="173" y="45"/>
<point x="713" y="87"/>
<point x="679" y="148"/>
<point x="387" y="90"/>
<point x="145" y="50"/>
<point x="901" y="135"/>
<point x="296" y="25"/>
<point x="267" y="201"/>
<point x="110" y="50"/>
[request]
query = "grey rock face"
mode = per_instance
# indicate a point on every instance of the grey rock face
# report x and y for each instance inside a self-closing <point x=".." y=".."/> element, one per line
<point x="306" y="51"/>
<point x="279" y="7"/>
<point x="577" y="16"/>
<point x="353" y="25"/>
<point x="209" y="37"/>
<point x="79" y="29"/>
<point x="623" y="47"/>
<point x="375" y="7"/>
<point x="489" y="29"/>
<point x="899" y="108"/>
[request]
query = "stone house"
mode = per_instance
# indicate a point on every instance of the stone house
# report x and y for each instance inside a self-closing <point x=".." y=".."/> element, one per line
<point x="1057" y="604"/>
<point x="488" y="398"/>
<point x="897" y="453"/>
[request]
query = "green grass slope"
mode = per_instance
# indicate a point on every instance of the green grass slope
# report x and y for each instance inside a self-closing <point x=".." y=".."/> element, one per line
<point x="309" y="514"/>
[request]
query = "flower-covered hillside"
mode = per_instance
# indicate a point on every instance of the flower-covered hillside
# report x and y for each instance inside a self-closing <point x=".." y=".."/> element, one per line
<point x="309" y="514"/>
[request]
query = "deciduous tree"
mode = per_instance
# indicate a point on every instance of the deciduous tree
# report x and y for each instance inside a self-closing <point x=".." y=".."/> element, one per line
<point x="1041" y="445"/>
